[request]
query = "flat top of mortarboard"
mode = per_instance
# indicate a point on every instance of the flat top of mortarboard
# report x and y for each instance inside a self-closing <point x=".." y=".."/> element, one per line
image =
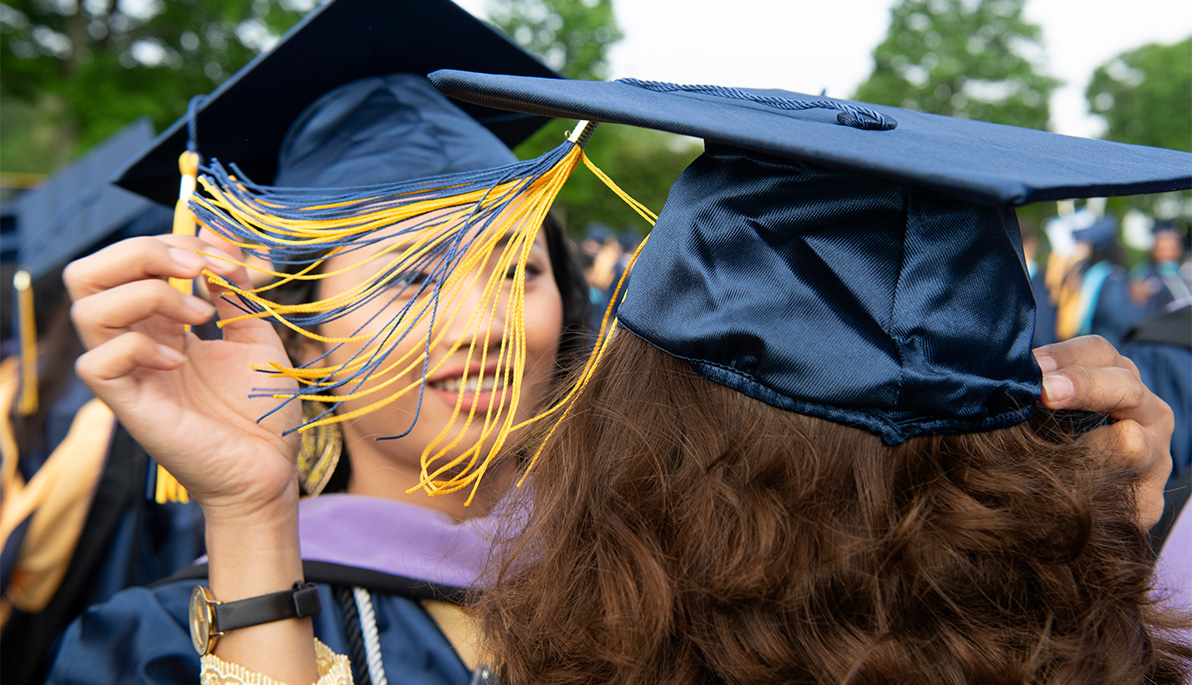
<point x="977" y="162"/>
<point x="78" y="207"/>
<point x="245" y="118"/>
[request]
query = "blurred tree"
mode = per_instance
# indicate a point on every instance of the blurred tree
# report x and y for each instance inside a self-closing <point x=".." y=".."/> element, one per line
<point x="573" y="37"/>
<point x="72" y="72"/>
<point x="969" y="58"/>
<point x="1145" y="96"/>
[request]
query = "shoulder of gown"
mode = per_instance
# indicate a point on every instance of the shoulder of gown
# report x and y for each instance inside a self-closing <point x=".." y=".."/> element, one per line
<point x="141" y="636"/>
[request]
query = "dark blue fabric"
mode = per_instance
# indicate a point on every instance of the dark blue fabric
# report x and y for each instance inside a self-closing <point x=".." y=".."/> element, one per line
<point x="849" y="298"/>
<point x="1167" y="371"/>
<point x="1045" y="310"/>
<point x="981" y="163"/>
<point x="77" y="209"/>
<point x="245" y="118"/>
<point x="141" y="637"/>
<point x="382" y="130"/>
<point x="1114" y="312"/>
<point x="127" y="540"/>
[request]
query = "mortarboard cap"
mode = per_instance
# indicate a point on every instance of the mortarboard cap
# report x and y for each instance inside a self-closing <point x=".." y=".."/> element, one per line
<point x="384" y="129"/>
<point x="72" y="214"/>
<point x="78" y="209"/>
<point x="245" y="119"/>
<point x="1100" y="233"/>
<point x="845" y="268"/>
<point x="981" y="163"/>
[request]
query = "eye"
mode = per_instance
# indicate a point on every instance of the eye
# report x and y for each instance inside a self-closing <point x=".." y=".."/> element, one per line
<point x="532" y="271"/>
<point x="410" y="280"/>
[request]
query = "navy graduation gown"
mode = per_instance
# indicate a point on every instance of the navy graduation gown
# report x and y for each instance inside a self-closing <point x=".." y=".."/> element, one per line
<point x="400" y="552"/>
<point x="141" y="636"/>
<point x="126" y="540"/>
<point x="1113" y="312"/>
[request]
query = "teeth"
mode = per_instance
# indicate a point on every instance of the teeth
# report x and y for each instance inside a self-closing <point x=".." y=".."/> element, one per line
<point x="471" y="387"/>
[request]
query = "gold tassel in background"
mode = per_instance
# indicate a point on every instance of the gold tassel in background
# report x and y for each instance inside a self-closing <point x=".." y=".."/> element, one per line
<point x="27" y="403"/>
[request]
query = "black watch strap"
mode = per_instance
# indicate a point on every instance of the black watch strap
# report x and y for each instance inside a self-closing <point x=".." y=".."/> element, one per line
<point x="300" y="601"/>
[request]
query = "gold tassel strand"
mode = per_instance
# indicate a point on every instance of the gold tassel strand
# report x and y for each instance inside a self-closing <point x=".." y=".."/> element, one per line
<point x="23" y="283"/>
<point x="167" y="488"/>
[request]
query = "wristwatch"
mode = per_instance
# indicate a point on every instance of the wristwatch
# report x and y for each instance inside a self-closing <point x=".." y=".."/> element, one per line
<point x="210" y="618"/>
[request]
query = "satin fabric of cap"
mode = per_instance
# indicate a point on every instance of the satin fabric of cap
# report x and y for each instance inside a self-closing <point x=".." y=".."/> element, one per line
<point x="845" y="297"/>
<point x="381" y="130"/>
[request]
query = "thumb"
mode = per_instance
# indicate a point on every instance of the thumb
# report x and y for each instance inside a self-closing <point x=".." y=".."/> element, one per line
<point x="260" y="270"/>
<point x="233" y="313"/>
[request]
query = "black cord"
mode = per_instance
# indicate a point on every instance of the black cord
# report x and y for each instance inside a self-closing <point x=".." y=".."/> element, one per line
<point x="356" y="653"/>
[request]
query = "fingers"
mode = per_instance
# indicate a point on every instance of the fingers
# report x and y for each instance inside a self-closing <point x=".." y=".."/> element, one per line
<point x="125" y="285"/>
<point x="246" y="330"/>
<point x="168" y="256"/>
<point x="1110" y="390"/>
<point x="1088" y="374"/>
<point x="108" y="366"/>
<point x="1088" y="350"/>
<point x="110" y="313"/>
<point x="1134" y="446"/>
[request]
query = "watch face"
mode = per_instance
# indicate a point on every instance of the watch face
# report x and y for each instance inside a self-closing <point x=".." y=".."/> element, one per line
<point x="200" y="620"/>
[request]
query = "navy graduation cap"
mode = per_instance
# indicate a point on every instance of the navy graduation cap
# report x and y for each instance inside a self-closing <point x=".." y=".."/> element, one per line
<point x="78" y="209"/>
<point x="853" y="262"/>
<point x="72" y="214"/>
<point x="245" y="119"/>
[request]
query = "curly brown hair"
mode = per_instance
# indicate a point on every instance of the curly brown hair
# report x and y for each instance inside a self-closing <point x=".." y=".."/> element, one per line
<point x="680" y="532"/>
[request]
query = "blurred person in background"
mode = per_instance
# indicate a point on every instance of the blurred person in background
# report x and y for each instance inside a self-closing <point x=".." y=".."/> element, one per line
<point x="1090" y="287"/>
<point x="1156" y="282"/>
<point x="1044" y="306"/>
<point x="75" y="522"/>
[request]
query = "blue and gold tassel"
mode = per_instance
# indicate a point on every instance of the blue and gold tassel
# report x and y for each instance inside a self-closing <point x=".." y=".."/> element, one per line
<point x="438" y="235"/>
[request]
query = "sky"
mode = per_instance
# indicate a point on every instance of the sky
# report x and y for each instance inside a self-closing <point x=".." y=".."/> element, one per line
<point x="811" y="45"/>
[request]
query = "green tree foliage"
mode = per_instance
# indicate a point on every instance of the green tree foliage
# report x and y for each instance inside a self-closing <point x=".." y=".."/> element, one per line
<point x="967" y="58"/>
<point x="574" y="36"/>
<point x="72" y="72"/>
<point x="1145" y="96"/>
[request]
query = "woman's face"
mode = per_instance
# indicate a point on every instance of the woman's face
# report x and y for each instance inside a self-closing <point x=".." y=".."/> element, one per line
<point x="543" y="314"/>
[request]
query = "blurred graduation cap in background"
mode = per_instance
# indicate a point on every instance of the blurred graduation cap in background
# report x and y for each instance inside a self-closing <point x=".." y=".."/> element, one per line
<point x="73" y="213"/>
<point x="8" y="233"/>
<point x="853" y="262"/>
<point x="78" y="207"/>
<point x="245" y="119"/>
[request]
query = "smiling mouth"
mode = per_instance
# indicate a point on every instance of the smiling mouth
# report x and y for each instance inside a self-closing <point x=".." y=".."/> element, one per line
<point x="473" y="386"/>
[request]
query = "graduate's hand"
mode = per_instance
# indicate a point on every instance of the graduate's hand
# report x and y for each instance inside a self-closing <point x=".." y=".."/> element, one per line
<point x="1088" y="373"/>
<point x="185" y="400"/>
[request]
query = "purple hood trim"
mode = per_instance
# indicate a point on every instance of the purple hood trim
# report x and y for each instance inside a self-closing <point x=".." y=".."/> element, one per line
<point x="394" y="537"/>
<point x="397" y="538"/>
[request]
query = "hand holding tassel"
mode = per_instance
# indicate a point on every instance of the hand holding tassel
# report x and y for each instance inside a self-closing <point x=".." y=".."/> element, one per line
<point x="184" y="399"/>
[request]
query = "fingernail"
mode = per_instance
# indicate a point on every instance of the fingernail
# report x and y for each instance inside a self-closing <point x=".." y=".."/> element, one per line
<point x="1058" y="387"/>
<point x="189" y="260"/>
<point x="170" y="354"/>
<point x="218" y="258"/>
<point x="198" y="304"/>
<point x="1047" y="363"/>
